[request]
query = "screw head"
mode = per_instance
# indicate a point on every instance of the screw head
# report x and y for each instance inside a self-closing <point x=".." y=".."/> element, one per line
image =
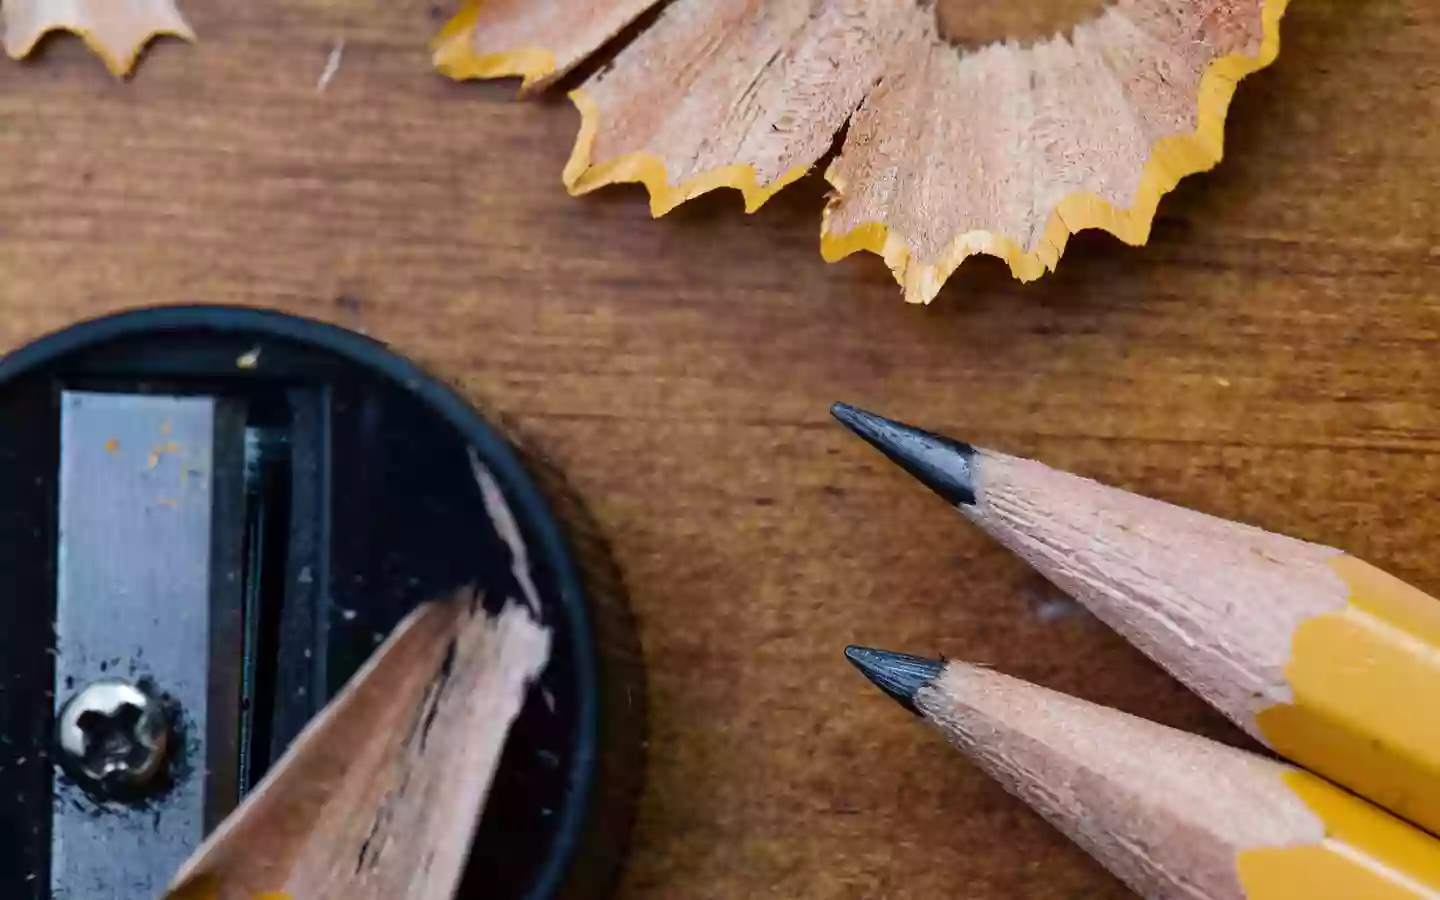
<point x="114" y="735"/>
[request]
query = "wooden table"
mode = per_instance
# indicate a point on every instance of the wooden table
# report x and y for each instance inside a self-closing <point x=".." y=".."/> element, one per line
<point x="1271" y="357"/>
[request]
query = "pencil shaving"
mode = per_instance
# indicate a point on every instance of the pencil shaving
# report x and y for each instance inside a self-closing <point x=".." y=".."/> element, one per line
<point x="1005" y="151"/>
<point x="537" y="40"/>
<point x="116" y="31"/>
<point x="379" y="797"/>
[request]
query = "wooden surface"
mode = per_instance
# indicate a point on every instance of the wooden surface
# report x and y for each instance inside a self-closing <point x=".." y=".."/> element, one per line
<point x="1271" y="356"/>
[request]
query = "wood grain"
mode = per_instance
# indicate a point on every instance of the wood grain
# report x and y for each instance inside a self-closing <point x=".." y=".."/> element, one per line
<point x="1271" y="357"/>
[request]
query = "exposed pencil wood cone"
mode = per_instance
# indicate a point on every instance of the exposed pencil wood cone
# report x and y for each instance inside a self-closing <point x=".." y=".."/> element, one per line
<point x="379" y="797"/>
<point x="1328" y="660"/>
<point x="1006" y="151"/>
<point x="1173" y="815"/>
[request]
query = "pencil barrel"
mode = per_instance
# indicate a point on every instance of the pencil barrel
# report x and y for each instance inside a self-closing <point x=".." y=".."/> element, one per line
<point x="1366" y="684"/>
<point x="1366" y="854"/>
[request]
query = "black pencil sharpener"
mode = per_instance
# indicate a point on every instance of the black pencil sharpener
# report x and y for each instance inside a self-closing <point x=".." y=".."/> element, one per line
<point x="209" y="518"/>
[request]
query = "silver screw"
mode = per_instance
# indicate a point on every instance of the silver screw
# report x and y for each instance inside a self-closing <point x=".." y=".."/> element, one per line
<point x="114" y="734"/>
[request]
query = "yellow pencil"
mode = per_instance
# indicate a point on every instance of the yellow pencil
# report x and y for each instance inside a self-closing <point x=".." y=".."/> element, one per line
<point x="1173" y="815"/>
<point x="1329" y="661"/>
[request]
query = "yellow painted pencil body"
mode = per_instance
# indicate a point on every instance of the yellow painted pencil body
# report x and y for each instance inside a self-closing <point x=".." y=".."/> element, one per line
<point x="1365" y="855"/>
<point x="1366" y="685"/>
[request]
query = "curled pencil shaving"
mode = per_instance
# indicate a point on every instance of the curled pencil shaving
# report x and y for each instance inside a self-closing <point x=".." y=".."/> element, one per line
<point x="379" y="797"/>
<point x="537" y="40"/>
<point x="116" y="30"/>
<point x="1006" y="151"/>
<point x="713" y="96"/>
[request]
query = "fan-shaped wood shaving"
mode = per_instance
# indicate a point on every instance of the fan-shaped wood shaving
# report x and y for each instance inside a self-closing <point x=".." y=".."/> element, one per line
<point x="715" y="95"/>
<point x="1007" y="150"/>
<point x="117" y="30"/>
<point x="537" y="40"/>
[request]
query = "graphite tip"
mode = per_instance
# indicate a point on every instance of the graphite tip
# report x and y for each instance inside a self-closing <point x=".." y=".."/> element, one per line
<point x="940" y="463"/>
<point x="898" y="674"/>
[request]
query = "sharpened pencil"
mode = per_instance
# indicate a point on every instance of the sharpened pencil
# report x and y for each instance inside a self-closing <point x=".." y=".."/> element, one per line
<point x="1173" y="815"/>
<point x="1329" y="661"/>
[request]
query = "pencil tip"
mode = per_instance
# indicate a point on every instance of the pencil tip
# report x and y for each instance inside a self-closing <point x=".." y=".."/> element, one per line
<point x="941" y="464"/>
<point x="898" y="674"/>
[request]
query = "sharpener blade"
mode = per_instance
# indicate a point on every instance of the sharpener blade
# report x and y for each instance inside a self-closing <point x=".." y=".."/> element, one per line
<point x="134" y="598"/>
